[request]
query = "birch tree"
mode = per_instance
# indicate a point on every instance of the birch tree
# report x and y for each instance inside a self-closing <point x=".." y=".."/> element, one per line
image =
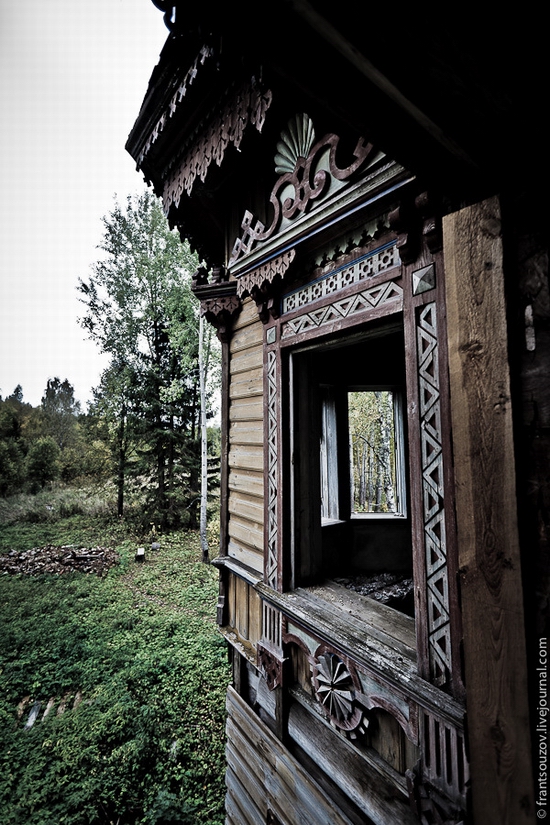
<point x="141" y="312"/>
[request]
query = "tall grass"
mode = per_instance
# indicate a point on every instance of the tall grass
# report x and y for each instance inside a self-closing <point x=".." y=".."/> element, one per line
<point x="58" y="501"/>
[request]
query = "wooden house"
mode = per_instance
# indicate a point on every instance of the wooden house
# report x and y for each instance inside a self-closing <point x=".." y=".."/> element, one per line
<point x="367" y="190"/>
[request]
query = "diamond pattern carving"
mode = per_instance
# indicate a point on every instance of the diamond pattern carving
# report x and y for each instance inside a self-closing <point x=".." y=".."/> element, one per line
<point x="439" y="639"/>
<point x="272" y="441"/>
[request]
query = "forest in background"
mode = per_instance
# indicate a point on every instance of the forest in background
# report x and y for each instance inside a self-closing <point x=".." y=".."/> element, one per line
<point x="112" y="671"/>
<point x="146" y="431"/>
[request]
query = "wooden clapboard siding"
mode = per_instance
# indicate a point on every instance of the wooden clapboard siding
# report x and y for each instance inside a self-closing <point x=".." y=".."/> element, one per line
<point x="247" y="482"/>
<point x="264" y="777"/>
<point x="245" y="385"/>
<point x="245" y="532"/>
<point x="245" y="361"/>
<point x="250" y="558"/>
<point x="486" y="514"/>
<point x="365" y="783"/>
<point x="246" y="506"/>
<point x="246" y="409"/>
<point x="246" y="458"/>
<point x="246" y="432"/>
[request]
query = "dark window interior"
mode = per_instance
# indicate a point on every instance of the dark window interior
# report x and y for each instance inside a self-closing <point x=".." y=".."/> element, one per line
<point x="350" y="517"/>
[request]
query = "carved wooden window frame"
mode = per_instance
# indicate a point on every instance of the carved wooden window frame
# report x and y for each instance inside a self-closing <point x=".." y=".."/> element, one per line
<point x="415" y="291"/>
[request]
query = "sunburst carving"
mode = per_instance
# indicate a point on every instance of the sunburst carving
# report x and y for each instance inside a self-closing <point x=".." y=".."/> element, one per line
<point x="335" y="690"/>
<point x="296" y="142"/>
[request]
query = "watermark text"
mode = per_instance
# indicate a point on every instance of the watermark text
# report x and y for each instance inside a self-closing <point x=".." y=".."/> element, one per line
<point x="542" y="731"/>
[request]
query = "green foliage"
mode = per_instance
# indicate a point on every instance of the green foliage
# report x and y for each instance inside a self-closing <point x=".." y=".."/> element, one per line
<point x="43" y="461"/>
<point x="60" y="409"/>
<point x="140" y="311"/>
<point x="81" y="440"/>
<point x="373" y="450"/>
<point x="11" y="466"/>
<point x="139" y="652"/>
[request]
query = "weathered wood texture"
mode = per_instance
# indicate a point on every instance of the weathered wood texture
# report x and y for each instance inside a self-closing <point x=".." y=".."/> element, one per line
<point x="367" y="786"/>
<point x="488" y="546"/>
<point x="264" y="782"/>
<point x="244" y="613"/>
<point x="246" y="461"/>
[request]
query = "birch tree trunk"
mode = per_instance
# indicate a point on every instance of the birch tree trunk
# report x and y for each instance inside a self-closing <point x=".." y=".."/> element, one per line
<point x="204" y="443"/>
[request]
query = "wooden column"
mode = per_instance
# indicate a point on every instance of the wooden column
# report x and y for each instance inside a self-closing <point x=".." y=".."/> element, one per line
<point x="486" y="510"/>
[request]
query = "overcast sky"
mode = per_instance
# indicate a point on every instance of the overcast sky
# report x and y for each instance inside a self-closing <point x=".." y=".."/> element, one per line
<point x="72" y="78"/>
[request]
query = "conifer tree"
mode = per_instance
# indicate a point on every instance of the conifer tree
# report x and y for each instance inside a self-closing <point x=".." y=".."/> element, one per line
<point x="141" y="312"/>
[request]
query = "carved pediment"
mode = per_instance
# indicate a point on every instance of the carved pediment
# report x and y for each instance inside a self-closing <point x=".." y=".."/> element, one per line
<point x="310" y="177"/>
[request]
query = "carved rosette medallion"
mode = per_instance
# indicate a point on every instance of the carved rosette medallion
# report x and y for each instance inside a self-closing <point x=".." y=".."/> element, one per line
<point x="335" y="689"/>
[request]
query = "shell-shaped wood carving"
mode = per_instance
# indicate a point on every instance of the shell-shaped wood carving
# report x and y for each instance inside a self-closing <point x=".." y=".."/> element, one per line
<point x="296" y="142"/>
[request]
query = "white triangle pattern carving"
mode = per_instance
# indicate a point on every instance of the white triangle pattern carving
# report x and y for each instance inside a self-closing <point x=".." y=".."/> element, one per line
<point x="272" y="503"/>
<point x="364" y="300"/>
<point x="437" y="595"/>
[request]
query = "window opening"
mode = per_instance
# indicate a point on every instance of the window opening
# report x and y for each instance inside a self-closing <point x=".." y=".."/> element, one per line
<point x="375" y="428"/>
<point x="348" y="467"/>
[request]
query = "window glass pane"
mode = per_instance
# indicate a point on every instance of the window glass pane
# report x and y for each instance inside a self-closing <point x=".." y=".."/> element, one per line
<point x="329" y="457"/>
<point x="373" y="452"/>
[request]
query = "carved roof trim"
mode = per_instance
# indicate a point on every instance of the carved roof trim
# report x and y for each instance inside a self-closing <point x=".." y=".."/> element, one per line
<point x="247" y="106"/>
<point x="204" y="54"/>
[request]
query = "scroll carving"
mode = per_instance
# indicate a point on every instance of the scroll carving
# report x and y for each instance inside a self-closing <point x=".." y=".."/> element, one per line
<point x="295" y="192"/>
<point x="414" y="221"/>
<point x="430" y="212"/>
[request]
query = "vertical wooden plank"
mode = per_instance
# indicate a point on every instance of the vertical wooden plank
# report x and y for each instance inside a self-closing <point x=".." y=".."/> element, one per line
<point x="488" y="545"/>
<point x="415" y="482"/>
<point x="241" y="600"/>
<point x="231" y="609"/>
<point x="254" y="616"/>
<point x="224" y="458"/>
